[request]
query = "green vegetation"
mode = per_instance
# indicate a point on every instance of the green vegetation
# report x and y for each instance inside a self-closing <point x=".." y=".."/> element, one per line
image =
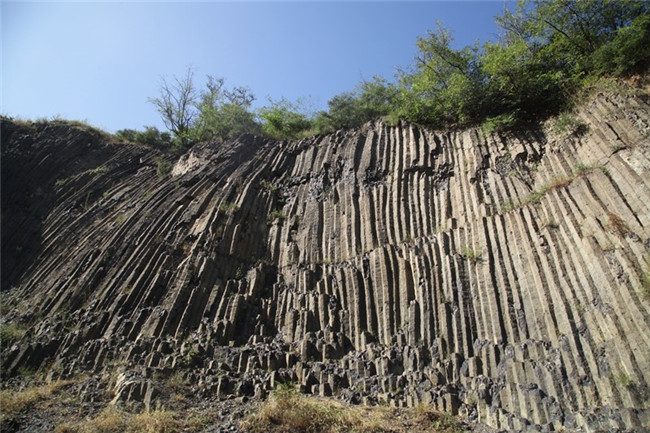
<point x="558" y="182"/>
<point x="151" y="136"/>
<point x="284" y="119"/>
<point x="10" y="333"/>
<point x="163" y="167"/>
<point x="268" y="186"/>
<point x="568" y="124"/>
<point x="623" y="380"/>
<point x="547" y="54"/>
<point x="276" y="215"/>
<point x="550" y="54"/>
<point x="228" y="208"/>
<point x="471" y="254"/>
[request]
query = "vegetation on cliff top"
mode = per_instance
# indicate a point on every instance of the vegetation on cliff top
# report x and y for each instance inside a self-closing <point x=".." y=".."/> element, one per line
<point x="547" y="53"/>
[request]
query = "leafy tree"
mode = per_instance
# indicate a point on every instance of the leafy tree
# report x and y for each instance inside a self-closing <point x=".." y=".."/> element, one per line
<point x="151" y="136"/>
<point x="519" y="81"/>
<point x="283" y="119"/>
<point x="368" y="101"/>
<point x="177" y="105"/>
<point x="445" y="85"/>
<point x="225" y="113"/>
<point x="629" y="50"/>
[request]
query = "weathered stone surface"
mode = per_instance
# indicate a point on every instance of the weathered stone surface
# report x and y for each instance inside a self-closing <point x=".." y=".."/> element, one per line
<point x="501" y="277"/>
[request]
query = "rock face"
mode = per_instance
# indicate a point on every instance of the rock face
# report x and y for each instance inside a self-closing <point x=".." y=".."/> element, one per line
<point x="502" y="277"/>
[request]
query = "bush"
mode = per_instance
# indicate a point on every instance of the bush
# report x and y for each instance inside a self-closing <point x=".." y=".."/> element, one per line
<point x="151" y="136"/>
<point x="163" y="167"/>
<point x="501" y="122"/>
<point x="10" y="333"/>
<point x="628" y="52"/>
<point x="282" y="120"/>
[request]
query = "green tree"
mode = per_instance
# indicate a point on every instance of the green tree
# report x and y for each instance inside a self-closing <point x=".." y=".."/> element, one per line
<point x="284" y="119"/>
<point x="177" y="105"/>
<point x="368" y="101"/>
<point x="445" y="86"/>
<point x="224" y="113"/>
<point x="628" y="52"/>
<point x="151" y="136"/>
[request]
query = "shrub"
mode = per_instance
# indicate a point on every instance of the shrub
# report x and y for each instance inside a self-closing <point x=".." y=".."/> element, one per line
<point x="151" y="136"/>
<point x="502" y="122"/>
<point x="229" y="208"/>
<point x="471" y="254"/>
<point x="283" y="120"/>
<point x="276" y="215"/>
<point x="568" y="124"/>
<point x="10" y="333"/>
<point x="288" y="412"/>
<point x="163" y="167"/>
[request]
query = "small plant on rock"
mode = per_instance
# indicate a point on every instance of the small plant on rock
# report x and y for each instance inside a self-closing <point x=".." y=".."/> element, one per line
<point x="471" y="254"/>
<point x="163" y="167"/>
<point x="618" y="225"/>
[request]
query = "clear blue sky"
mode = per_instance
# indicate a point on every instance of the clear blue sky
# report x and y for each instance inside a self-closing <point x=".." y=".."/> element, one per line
<point x="101" y="61"/>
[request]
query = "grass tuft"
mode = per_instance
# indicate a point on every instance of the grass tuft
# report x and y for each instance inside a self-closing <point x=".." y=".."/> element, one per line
<point x="276" y="215"/>
<point x="115" y="420"/>
<point x="534" y="197"/>
<point x="287" y="411"/>
<point x="10" y="333"/>
<point x="12" y="402"/>
<point x="471" y="254"/>
<point x="618" y="225"/>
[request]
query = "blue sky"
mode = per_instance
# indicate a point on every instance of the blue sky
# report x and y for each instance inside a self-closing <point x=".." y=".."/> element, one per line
<point x="101" y="61"/>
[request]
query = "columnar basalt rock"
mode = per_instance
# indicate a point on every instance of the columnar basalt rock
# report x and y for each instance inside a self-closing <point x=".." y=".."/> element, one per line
<point x="502" y="276"/>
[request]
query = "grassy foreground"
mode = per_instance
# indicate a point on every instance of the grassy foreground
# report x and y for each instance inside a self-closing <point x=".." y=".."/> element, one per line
<point x="287" y="411"/>
<point x="284" y="411"/>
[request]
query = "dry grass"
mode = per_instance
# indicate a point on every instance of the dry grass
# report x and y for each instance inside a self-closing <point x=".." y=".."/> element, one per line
<point x="12" y="403"/>
<point x="287" y="411"/>
<point x="115" y="420"/>
<point x="645" y="277"/>
<point x="618" y="225"/>
<point x="557" y="182"/>
<point x="158" y="421"/>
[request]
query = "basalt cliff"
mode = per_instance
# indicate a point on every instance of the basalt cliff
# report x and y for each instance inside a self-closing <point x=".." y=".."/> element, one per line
<point x="504" y="277"/>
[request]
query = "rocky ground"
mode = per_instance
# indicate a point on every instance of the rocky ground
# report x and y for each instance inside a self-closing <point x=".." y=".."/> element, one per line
<point x="86" y="405"/>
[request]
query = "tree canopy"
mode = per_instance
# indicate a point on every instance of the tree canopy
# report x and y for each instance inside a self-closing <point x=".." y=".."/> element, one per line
<point x="547" y="51"/>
